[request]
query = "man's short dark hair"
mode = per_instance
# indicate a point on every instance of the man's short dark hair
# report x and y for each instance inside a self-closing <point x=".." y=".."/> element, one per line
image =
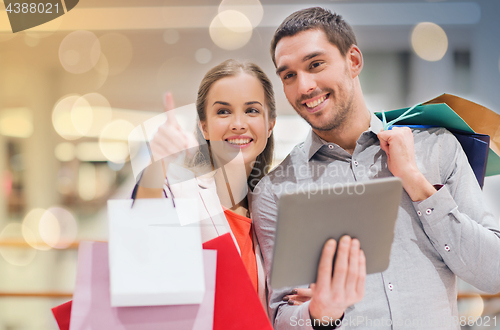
<point x="338" y="31"/>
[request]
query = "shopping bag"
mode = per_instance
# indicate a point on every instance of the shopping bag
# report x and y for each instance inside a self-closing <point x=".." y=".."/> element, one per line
<point x="475" y="146"/>
<point x="153" y="259"/>
<point x="237" y="305"/>
<point x="62" y="314"/>
<point x="91" y="308"/>
<point x="461" y="117"/>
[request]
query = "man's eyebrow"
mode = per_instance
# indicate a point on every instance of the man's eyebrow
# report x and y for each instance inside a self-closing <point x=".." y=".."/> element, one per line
<point x="221" y="102"/>
<point x="281" y="69"/>
<point x="253" y="102"/>
<point x="304" y="59"/>
<point x="312" y="55"/>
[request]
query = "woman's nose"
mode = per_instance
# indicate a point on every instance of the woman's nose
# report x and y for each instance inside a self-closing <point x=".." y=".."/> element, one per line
<point x="239" y="123"/>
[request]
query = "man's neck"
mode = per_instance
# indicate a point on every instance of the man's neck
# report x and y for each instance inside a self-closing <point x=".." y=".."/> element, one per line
<point x="348" y="134"/>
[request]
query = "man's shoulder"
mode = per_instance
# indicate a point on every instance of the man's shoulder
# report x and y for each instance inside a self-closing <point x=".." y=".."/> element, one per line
<point x="285" y="170"/>
<point x="434" y="137"/>
<point x="296" y="157"/>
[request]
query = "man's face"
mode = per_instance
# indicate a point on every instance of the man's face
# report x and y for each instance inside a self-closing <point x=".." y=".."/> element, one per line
<point x="317" y="79"/>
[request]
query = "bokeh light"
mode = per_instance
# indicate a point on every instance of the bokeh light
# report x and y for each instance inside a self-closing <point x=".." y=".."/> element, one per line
<point x="252" y="9"/>
<point x="81" y="115"/>
<point x="203" y="56"/>
<point x="31" y="231"/>
<point x="61" y="118"/>
<point x="102" y="68"/>
<point x="86" y="181"/>
<point x="90" y="152"/>
<point x="113" y="140"/>
<point x="17" y="256"/>
<point x="16" y="122"/>
<point x="171" y="36"/>
<point x="230" y="30"/>
<point x="65" y="152"/>
<point x="101" y="112"/>
<point x="79" y="51"/>
<point x="471" y="307"/>
<point x="31" y="39"/>
<point x="115" y="166"/>
<point x="429" y="41"/>
<point x="118" y="51"/>
<point x="58" y="227"/>
<point x="66" y="180"/>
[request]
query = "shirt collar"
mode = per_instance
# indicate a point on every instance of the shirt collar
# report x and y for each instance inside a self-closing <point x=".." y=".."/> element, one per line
<point x="313" y="142"/>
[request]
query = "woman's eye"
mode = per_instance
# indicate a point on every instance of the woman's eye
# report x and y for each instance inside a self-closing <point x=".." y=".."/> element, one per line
<point x="253" y="110"/>
<point x="223" y="112"/>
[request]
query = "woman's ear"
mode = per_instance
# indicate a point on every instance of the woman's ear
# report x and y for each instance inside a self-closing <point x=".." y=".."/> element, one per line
<point x="355" y="60"/>
<point x="202" y="125"/>
<point x="271" y="126"/>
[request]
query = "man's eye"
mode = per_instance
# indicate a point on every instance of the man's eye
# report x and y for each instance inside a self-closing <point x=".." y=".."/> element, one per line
<point x="315" y="65"/>
<point x="288" y="76"/>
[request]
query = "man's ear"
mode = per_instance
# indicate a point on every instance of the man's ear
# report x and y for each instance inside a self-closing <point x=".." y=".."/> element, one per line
<point x="355" y="60"/>
<point x="202" y="125"/>
<point x="271" y="126"/>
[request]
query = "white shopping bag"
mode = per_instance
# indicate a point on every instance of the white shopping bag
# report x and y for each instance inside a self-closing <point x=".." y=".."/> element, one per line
<point x="153" y="259"/>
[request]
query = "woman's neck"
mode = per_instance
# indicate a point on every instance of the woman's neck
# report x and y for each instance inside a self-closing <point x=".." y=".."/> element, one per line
<point x="232" y="187"/>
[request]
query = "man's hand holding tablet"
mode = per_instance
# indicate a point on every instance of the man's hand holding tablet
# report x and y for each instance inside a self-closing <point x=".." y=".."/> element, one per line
<point x="332" y="295"/>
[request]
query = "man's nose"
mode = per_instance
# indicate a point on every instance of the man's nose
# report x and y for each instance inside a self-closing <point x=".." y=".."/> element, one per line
<point x="306" y="83"/>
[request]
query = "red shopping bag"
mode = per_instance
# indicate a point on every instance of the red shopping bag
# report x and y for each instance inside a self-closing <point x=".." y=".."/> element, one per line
<point x="237" y="305"/>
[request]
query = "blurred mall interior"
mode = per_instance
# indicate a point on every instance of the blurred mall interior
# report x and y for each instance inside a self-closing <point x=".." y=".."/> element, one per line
<point x="72" y="89"/>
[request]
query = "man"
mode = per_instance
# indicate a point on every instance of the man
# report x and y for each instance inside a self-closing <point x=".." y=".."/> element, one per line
<point x="443" y="229"/>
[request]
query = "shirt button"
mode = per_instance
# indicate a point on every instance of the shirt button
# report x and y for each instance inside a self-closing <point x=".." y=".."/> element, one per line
<point x="419" y="213"/>
<point x="331" y="146"/>
<point x="355" y="163"/>
<point x="447" y="248"/>
<point x="428" y="211"/>
<point x="390" y="286"/>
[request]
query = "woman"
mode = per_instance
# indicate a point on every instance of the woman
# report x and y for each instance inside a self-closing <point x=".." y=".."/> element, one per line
<point x="237" y="113"/>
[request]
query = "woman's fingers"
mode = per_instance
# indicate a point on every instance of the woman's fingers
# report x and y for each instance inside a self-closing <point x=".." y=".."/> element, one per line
<point x="169" y="107"/>
<point x="191" y="144"/>
<point x="299" y="295"/>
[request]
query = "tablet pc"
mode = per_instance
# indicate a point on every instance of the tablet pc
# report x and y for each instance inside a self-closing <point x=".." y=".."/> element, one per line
<point x="307" y="219"/>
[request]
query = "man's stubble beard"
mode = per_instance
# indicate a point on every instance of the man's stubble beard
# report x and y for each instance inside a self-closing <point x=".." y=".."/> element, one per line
<point x="341" y="110"/>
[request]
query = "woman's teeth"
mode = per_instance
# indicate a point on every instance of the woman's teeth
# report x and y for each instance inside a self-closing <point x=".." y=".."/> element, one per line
<point x="316" y="103"/>
<point x="239" y="141"/>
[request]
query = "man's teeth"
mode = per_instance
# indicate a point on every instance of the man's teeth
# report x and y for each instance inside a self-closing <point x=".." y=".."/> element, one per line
<point x="239" y="141"/>
<point x="315" y="103"/>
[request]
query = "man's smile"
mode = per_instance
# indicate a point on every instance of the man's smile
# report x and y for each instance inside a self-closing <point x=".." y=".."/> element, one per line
<point x="316" y="103"/>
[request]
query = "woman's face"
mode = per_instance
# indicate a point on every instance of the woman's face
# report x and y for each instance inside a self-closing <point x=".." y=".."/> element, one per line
<point x="237" y="118"/>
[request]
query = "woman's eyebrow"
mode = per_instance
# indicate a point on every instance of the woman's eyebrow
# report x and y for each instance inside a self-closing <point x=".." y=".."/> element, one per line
<point x="253" y="102"/>
<point x="221" y="102"/>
